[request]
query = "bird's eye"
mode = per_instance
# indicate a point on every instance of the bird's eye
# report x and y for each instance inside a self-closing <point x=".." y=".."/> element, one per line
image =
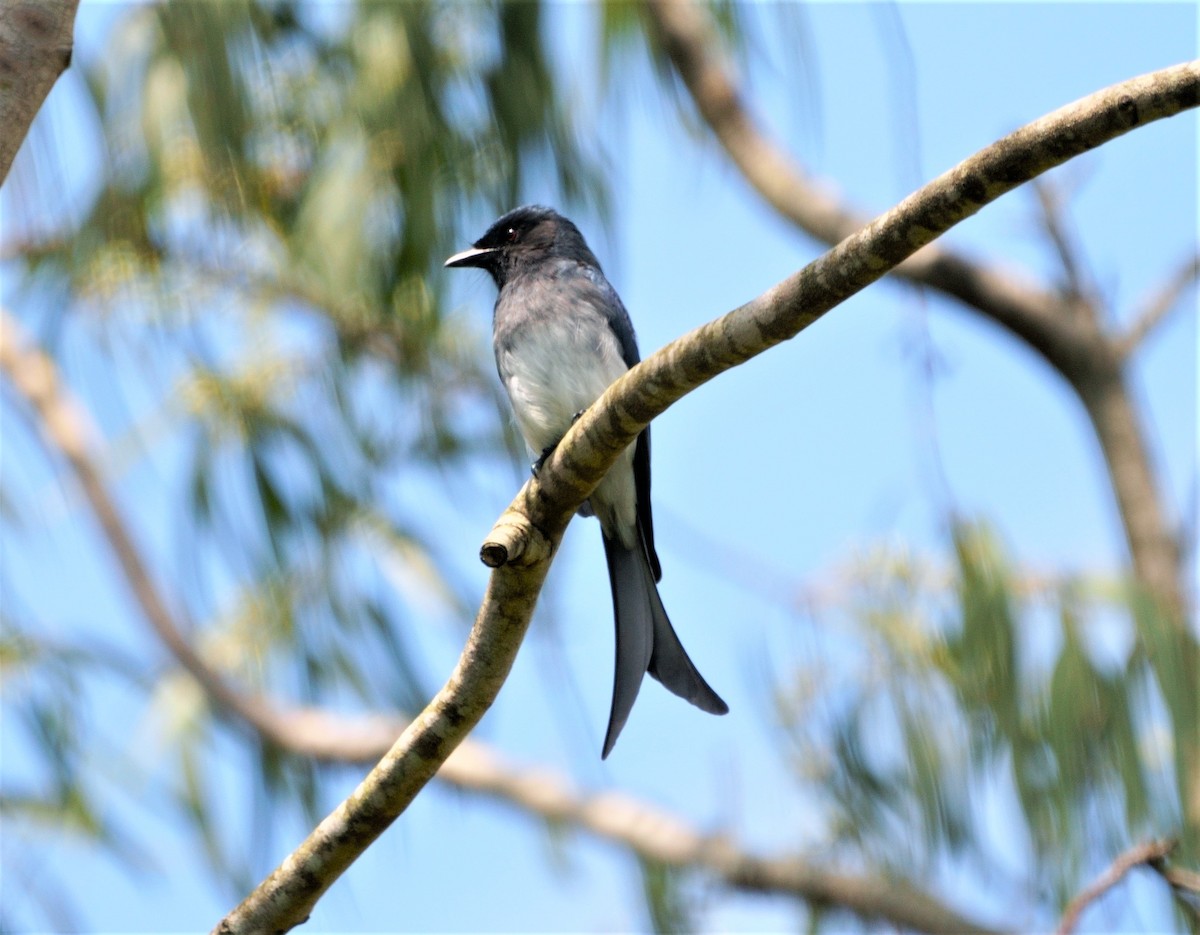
<point x="513" y="235"/>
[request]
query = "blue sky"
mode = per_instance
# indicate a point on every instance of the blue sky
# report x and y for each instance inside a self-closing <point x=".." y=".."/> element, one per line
<point x="793" y="463"/>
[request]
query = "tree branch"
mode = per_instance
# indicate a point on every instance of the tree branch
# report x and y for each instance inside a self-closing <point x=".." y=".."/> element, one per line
<point x="1042" y="319"/>
<point x="658" y="836"/>
<point x="547" y="502"/>
<point x="34" y="375"/>
<point x="1158" y="306"/>
<point x="1065" y="330"/>
<point x="1184" y="883"/>
<point x="1179" y="878"/>
<point x="320" y="735"/>
<point x="1069" y="255"/>
<point x="1147" y="853"/>
<point x="39" y="45"/>
<point x="35" y="48"/>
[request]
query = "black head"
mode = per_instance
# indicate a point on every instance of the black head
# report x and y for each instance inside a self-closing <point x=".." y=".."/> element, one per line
<point x="522" y="239"/>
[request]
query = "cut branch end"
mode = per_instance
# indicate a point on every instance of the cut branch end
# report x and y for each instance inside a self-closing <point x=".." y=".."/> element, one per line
<point x="514" y="540"/>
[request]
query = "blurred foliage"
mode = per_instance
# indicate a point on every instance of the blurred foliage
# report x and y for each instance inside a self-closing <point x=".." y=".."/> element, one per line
<point x="59" y="793"/>
<point x="971" y="694"/>
<point x="277" y="182"/>
<point x="624" y="27"/>
<point x="667" y="905"/>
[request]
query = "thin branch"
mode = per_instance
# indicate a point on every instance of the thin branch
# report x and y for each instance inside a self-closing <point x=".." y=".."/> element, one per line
<point x="65" y="426"/>
<point x="34" y="375"/>
<point x="312" y="732"/>
<point x="35" y="48"/>
<point x="660" y="837"/>
<point x="1180" y="878"/>
<point x="1051" y="201"/>
<point x="1155" y="310"/>
<point x="1184" y="883"/>
<point x="537" y="518"/>
<point x="1142" y="854"/>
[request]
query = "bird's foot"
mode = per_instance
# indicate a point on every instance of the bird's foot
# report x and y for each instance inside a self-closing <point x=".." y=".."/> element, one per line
<point x="537" y="465"/>
<point x="546" y="452"/>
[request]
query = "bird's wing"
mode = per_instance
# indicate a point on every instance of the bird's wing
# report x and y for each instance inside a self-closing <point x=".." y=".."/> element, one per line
<point x="607" y="301"/>
<point x="618" y="318"/>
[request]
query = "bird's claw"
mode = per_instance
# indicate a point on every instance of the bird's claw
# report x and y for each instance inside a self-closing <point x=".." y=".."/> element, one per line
<point x="537" y="465"/>
<point x="546" y="452"/>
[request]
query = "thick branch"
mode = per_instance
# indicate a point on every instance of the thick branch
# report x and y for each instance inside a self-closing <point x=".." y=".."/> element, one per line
<point x="286" y="897"/>
<point x="1065" y="330"/>
<point x="791" y="306"/>
<point x="1152" y="548"/>
<point x="35" y="48"/>
<point x="1040" y="318"/>
<point x="317" y="734"/>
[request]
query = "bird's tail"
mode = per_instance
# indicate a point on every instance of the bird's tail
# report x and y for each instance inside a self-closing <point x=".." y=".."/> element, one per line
<point x="646" y="641"/>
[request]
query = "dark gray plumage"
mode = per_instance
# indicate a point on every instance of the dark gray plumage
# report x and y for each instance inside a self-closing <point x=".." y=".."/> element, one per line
<point x="561" y="337"/>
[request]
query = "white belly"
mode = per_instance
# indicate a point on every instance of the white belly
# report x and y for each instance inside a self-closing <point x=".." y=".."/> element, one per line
<point x="553" y="372"/>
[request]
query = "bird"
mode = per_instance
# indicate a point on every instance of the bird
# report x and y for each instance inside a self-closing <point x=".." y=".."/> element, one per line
<point x="561" y="336"/>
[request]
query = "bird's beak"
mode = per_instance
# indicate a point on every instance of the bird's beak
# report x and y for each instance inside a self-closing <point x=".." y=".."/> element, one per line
<point x="473" y="257"/>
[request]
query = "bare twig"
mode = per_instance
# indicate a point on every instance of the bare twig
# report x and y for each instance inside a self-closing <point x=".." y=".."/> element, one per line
<point x="1146" y="853"/>
<point x="540" y="512"/>
<point x="312" y="732"/>
<point x="1184" y="883"/>
<point x="35" y="48"/>
<point x="1159" y="305"/>
<point x="1180" y="878"/>
<point x="657" y="836"/>
<point x="1051" y="201"/>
